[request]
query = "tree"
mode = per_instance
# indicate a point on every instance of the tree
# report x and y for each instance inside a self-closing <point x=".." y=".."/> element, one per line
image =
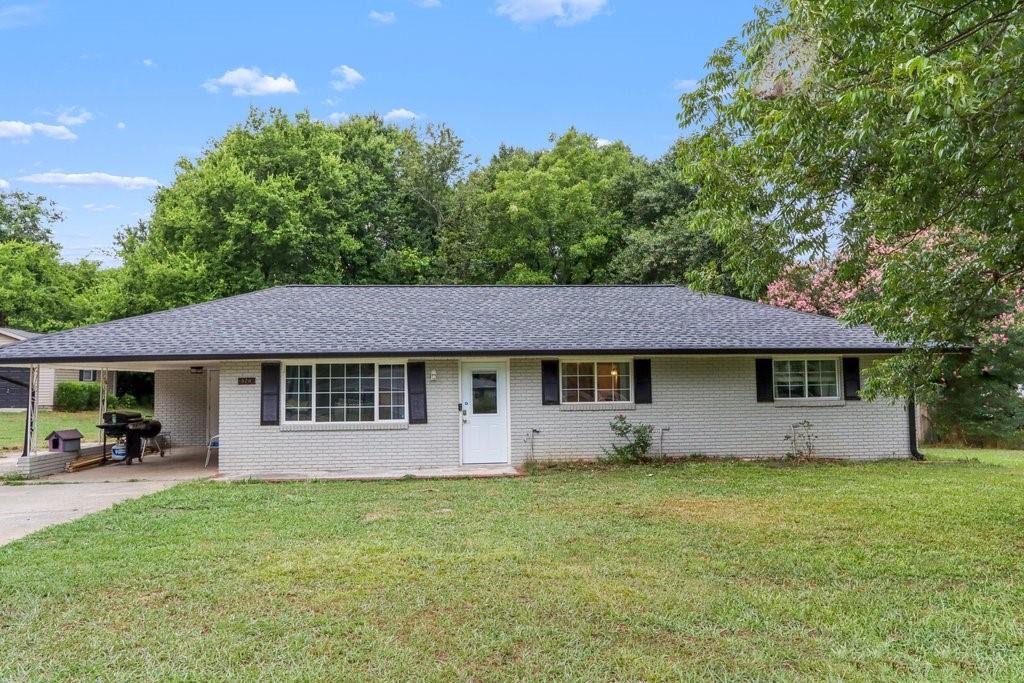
<point x="660" y="242"/>
<point x="812" y="287"/>
<point x="979" y="398"/>
<point x="540" y="217"/>
<point x="38" y="292"/>
<point x="27" y="217"/>
<point x="282" y="200"/>
<point x="873" y="128"/>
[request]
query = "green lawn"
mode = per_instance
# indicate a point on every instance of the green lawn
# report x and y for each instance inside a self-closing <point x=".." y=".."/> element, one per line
<point x="12" y="426"/>
<point x="695" y="571"/>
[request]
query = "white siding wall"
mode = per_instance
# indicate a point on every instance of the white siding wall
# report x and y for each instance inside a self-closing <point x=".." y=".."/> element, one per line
<point x="249" y="449"/>
<point x="47" y="386"/>
<point x="179" y="399"/>
<point x="710" y="407"/>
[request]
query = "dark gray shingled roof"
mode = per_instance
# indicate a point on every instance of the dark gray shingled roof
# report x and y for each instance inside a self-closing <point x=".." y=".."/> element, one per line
<point x="13" y="332"/>
<point x="295" y="321"/>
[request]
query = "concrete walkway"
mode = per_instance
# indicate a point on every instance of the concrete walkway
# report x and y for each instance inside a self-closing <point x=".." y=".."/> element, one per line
<point x="40" y="503"/>
<point x="30" y="507"/>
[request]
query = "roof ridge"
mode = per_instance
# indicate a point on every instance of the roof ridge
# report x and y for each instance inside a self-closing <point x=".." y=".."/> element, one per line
<point x="491" y="286"/>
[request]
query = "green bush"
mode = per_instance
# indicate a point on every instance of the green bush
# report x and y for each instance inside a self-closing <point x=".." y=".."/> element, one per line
<point x="75" y="396"/>
<point x="638" y="441"/>
<point x="122" y="402"/>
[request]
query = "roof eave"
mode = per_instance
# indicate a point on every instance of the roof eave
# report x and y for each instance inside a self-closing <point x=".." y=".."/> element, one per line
<point x="448" y="353"/>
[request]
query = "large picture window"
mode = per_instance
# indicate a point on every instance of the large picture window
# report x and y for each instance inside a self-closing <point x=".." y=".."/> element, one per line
<point x="345" y="392"/>
<point x="596" y="382"/>
<point x="800" y="378"/>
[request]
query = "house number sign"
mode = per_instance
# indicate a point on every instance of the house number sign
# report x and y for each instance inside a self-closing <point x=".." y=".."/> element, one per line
<point x="247" y="380"/>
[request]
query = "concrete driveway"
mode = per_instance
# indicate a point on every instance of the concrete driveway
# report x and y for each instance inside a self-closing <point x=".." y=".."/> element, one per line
<point x="35" y="505"/>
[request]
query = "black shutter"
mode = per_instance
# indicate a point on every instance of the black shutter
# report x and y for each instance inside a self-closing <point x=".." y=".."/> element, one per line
<point x="549" y="391"/>
<point x="417" y="393"/>
<point x="765" y="380"/>
<point x="642" y="370"/>
<point x="270" y="393"/>
<point x="851" y="379"/>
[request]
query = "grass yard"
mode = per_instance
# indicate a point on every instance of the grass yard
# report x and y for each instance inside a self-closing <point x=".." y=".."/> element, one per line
<point x="702" y="571"/>
<point x="12" y="426"/>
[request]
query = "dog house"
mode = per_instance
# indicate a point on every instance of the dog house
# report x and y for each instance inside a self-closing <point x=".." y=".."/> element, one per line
<point x="65" y="440"/>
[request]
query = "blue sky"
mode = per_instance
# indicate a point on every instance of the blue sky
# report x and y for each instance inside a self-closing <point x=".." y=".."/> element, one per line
<point x="99" y="99"/>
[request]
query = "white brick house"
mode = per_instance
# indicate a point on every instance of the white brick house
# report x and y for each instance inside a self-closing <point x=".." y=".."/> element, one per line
<point x="314" y="381"/>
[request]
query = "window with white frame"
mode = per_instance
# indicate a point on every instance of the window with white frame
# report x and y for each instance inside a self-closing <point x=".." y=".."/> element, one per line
<point x="345" y="392"/>
<point x="596" y="382"/>
<point x="806" y="378"/>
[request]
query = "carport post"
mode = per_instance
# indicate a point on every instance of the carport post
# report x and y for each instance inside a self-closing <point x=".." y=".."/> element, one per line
<point x="103" y="393"/>
<point x="31" y="411"/>
<point x="103" y="409"/>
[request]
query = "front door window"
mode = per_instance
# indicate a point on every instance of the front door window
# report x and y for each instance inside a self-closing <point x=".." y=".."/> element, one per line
<point x="485" y="393"/>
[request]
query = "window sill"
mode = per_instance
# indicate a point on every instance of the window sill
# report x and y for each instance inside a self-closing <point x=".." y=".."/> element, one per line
<point x="342" y="426"/>
<point x="610" y="407"/>
<point x="809" y="402"/>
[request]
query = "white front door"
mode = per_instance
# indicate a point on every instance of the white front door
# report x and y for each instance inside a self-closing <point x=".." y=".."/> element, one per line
<point x="484" y="413"/>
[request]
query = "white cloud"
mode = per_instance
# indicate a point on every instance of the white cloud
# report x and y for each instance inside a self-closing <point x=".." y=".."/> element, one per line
<point x="685" y="84"/>
<point x="251" y="81"/>
<point x="121" y="125"/>
<point x="98" y="207"/>
<point x="382" y="17"/>
<point x="94" y="178"/>
<point x="148" y="62"/>
<point x="15" y="130"/>
<point x="4" y="184"/>
<point x="74" y="116"/>
<point x="14" y="16"/>
<point x="337" y="116"/>
<point x="428" y="4"/>
<point x="564" y="12"/>
<point x="603" y="142"/>
<point x="347" y="77"/>
<point x="401" y="115"/>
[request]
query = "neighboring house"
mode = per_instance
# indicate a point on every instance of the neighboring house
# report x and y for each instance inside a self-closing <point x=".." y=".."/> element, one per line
<point x="13" y="394"/>
<point x="308" y="380"/>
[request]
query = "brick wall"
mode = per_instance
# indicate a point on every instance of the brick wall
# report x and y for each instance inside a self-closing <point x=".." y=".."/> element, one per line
<point x="249" y="449"/>
<point x="179" y="402"/>
<point x="710" y="408"/>
<point x="708" y="404"/>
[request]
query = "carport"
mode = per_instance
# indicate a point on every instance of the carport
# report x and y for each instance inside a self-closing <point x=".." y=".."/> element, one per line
<point x="186" y="402"/>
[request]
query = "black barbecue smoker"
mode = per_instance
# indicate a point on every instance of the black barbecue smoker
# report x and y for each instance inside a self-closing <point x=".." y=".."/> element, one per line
<point x="131" y="429"/>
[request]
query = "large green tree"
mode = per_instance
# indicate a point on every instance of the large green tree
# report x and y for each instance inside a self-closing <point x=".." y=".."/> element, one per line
<point x="893" y="131"/>
<point x="38" y="290"/>
<point x="661" y="243"/>
<point x="293" y="200"/>
<point x="542" y="217"/>
<point x="27" y="217"/>
<point x="41" y="293"/>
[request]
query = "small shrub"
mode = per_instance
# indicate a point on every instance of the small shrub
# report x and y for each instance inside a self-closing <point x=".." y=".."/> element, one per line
<point x="124" y="401"/>
<point x="801" y="441"/>
<point x="638" y="437"/>
<point x="77" y="396"/>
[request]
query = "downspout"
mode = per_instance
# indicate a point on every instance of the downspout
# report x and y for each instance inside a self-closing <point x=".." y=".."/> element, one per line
<point x="912" y="424"/>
